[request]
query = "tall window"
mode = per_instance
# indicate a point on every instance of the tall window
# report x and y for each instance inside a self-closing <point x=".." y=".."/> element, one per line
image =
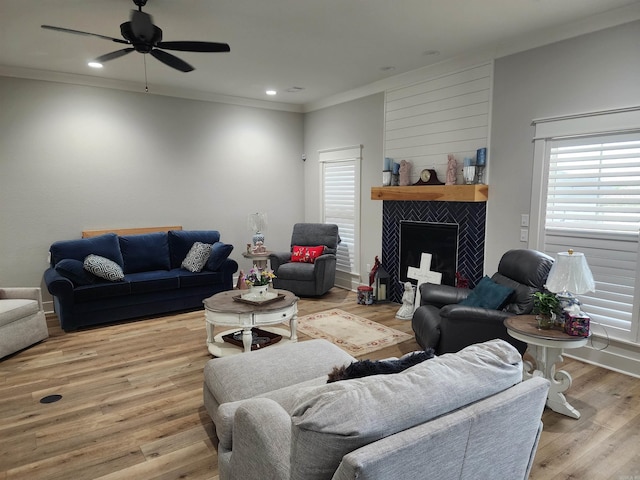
<point x="340" y="197"/>
<point x="590" y="201"/>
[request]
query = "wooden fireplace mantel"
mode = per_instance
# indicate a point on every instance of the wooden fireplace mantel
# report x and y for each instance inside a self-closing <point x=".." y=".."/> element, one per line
<point x="426" y="193"/>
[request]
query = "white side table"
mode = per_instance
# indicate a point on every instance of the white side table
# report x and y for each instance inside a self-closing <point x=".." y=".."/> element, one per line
<point x="260" y="260"/>
<point x="546" y="347"/>
<point x="222" y="309"/>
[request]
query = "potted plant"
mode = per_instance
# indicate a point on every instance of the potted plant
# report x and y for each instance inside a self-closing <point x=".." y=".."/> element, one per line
<point x="545" y="306"/>
<point x="258" y="280"/>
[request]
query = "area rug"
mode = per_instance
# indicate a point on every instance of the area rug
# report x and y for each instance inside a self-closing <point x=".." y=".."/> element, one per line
<point x="355" y="335"/>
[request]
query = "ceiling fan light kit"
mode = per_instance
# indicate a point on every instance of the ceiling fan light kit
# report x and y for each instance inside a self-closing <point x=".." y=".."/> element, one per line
<point x="145" y="37"/>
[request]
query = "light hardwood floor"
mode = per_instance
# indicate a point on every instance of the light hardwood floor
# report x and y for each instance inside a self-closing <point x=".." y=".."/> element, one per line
<point x="132" y="405"/>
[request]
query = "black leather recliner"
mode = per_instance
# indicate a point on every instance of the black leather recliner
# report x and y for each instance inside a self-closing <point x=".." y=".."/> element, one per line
<point x="443" y="325"/>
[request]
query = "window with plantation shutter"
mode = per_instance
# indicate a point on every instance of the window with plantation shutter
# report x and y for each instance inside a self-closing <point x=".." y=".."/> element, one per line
<point x="340" y="198"/>
<point x="590" y="202"/>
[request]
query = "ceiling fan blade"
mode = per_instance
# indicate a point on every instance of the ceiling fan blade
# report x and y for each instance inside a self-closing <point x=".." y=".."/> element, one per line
<point x="110" y="56"/>
<point x="78" y="32"/>
<point x="142" y="25"/>
<point x="195" y="46"/>
<point x="171" y="60"/>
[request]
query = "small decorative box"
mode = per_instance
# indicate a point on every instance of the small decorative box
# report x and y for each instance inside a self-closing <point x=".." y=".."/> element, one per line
<point x="576" y="324"/>
<point x="365" y="295"/>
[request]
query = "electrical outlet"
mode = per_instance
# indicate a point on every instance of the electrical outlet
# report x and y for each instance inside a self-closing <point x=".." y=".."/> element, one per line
<point x="524" y="234"/>
<point x="524" y="220"/>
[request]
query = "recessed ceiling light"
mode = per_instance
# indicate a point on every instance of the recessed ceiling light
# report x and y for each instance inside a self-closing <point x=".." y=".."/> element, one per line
<point x="94" y="65"/>
<point x="270" y="92"/>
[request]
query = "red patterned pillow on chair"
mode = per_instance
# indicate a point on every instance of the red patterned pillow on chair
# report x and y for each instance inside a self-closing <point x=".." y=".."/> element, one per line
<point x="306" y="254"/>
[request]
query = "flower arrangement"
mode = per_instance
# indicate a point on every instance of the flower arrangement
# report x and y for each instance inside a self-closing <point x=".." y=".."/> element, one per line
<point x="259" y="276"/>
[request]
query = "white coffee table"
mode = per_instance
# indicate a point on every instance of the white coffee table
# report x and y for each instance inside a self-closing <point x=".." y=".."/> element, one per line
<point x="546" y="347"/>
<point x="223" y="309"/>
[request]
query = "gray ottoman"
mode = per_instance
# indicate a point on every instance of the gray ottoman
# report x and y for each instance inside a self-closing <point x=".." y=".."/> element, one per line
<point x="272" y="373"/>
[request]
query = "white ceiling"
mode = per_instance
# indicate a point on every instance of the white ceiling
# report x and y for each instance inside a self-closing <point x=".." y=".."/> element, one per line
<point x="327" y="47"/>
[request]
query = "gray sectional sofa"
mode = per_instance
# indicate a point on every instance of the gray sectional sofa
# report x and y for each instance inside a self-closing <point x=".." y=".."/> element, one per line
<point x="153" y="280"/>
<point x="465" y="415"/>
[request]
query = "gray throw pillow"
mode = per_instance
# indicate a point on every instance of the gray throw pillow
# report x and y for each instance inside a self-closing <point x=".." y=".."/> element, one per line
<point x="197" y="257"/>
<point x="103" y="267"/>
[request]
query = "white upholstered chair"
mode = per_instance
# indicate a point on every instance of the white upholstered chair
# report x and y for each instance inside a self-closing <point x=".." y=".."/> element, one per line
<point x="22" y="319"/>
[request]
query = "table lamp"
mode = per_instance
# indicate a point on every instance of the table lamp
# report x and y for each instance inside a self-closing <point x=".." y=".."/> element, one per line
<point x="570" y="275"/>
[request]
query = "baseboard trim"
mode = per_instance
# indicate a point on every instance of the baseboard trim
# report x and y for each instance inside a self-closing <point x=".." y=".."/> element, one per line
<point x="621" y="358"/>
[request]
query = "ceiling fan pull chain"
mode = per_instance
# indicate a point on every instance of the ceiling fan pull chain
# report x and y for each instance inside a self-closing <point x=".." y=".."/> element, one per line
<point x="146" y="84"/>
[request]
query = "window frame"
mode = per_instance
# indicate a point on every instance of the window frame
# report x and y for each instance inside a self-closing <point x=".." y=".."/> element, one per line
<point x="548" y="130"/>
<point x="353" y="155"/>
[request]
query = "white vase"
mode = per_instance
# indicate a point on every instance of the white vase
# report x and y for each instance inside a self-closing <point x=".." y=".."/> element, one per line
<point x="258" y="291"/>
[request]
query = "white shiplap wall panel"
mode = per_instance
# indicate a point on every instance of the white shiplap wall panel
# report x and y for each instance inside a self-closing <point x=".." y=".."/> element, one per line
<point x="442" y="81"/>
<point x="449" y="114"/>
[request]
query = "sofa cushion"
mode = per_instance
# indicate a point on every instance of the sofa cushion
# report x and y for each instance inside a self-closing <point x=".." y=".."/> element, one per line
<point x="198" y="279"/>
<point x="219" y="253"/>
<point x="296" y="271"/>
<point x="180" y="242"/>
<point x="487" y="294"/>
<point x="154" y="281"/>
<point x="146" y="252"/>
<point x="197" y="257"/>
<point x="330" y="421"/>
<point x="106" y="245"/>
<point x="12" y="309"/>
<point x="74" y="271"/>
<point x="100" y="291"/>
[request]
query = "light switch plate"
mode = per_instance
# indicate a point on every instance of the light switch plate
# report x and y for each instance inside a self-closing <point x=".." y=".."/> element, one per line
<point x="524" y="234"/>
<point x="524" y="220"/>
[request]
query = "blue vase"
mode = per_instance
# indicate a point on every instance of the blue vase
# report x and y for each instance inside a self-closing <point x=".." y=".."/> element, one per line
<point x="258" y="237"/>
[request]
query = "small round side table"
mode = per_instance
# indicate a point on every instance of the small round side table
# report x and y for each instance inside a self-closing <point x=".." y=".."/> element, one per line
<point x="546" y="347"/>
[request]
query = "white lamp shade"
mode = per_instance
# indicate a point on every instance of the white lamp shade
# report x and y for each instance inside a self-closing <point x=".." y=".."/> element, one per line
<point x="570" y="273"/>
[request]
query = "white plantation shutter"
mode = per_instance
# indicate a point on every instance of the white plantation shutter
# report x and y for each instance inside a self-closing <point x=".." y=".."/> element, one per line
<point x="341" y="204"/>
<point x="592" y="204"/>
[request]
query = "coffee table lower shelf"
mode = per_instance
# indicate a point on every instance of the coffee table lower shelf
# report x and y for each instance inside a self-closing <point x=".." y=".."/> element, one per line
<point x="220" y="348"/>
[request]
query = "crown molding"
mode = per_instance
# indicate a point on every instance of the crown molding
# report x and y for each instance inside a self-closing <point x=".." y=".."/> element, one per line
<point x="100" y="82"/>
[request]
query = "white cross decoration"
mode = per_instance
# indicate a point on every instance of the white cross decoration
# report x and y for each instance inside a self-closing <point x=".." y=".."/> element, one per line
<point x="423" y="274"/>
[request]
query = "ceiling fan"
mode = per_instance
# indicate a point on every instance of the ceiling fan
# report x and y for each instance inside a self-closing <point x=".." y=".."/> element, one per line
<point x="145" y="37"/>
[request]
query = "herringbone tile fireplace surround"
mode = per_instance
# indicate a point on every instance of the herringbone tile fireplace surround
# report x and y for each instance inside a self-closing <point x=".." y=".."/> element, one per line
<point x="470" y="216"/>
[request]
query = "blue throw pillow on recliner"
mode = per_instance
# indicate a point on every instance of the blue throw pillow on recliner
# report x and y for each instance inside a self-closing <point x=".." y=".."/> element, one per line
<point x="488" y="294"/>
<point x="219" y="253"/>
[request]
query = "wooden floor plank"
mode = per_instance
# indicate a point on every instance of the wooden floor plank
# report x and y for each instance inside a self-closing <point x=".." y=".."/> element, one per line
<point x="132" y="404"/>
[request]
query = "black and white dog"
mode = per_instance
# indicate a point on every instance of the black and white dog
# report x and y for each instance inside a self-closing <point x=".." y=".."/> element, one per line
<point x="365" y="368"/>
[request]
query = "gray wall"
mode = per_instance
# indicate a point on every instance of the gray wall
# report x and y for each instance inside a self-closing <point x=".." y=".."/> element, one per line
<point x="592" y="72"/>
<point x="75" y="158"/>
<point x="359" y="122"/>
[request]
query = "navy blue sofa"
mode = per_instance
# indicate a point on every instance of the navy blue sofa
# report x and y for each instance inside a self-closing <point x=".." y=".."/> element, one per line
<point x="153" y="283"/>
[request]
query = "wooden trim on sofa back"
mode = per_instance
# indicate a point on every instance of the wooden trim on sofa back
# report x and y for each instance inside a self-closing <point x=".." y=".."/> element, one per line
<point x="128" y="231"/>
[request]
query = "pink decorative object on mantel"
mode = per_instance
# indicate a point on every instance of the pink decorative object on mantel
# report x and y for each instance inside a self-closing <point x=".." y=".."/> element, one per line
<point x="452" y="166"/>
<point x="405" y="173"/>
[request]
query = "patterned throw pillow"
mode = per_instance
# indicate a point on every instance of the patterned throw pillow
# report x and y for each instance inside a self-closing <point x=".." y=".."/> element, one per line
<point x="103" y="268"/>
<point x="197" y="257"/>
<point x="306" y="254"/>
